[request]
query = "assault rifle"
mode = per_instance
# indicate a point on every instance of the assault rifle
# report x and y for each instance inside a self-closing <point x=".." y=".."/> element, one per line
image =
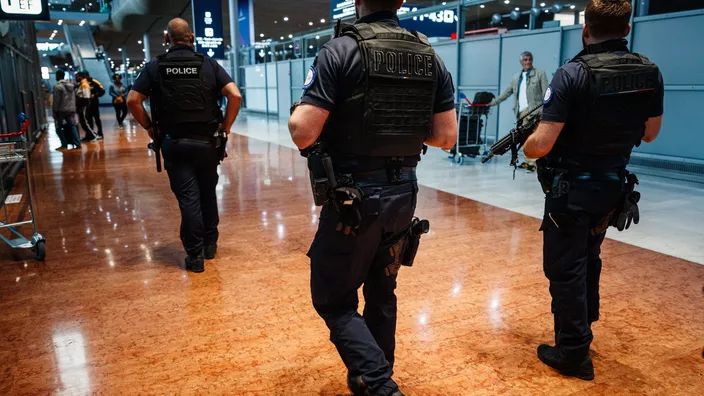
<point x="515" y="139"/>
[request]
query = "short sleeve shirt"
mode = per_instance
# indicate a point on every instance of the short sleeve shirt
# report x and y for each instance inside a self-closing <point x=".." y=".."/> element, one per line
<point x="338" y="69"/>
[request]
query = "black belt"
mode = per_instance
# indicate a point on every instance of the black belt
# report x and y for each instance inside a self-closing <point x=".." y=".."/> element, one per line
<point x="604" y="175"/>
<point x="381" y="176"/>
<point x="189" y="136"/>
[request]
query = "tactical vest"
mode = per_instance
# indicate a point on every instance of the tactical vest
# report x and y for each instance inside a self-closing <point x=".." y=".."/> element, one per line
<point x="621" y="89"/>
<point x="184" y="97"/>
<point x="390" y="112"/>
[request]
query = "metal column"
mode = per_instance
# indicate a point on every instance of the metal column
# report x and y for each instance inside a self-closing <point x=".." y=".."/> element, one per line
<point x="532" y="17"/>
<point x="235" y="39"/>
<point x="125" y="77"/>
<point x="147" y="50"/>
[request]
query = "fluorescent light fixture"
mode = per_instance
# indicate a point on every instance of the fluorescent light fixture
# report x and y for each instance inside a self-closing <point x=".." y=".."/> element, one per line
<point x="322" y="21"/>
<point x="285" y="19"/>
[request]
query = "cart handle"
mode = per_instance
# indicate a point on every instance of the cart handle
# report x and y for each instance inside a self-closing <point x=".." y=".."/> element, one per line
<point x="24" y="120"/>
<point x="463" y="96"/>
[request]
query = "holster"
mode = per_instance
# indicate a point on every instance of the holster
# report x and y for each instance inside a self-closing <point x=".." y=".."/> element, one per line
<point x="320" y="183"/>
<point x="219" y="141"/>
<point x="555" y="182"/>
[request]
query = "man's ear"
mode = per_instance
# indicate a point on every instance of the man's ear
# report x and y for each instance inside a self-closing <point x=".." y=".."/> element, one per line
<point x="166" y="39"/>
<point x="628" y="30"/>
<point x="192" y="38"/>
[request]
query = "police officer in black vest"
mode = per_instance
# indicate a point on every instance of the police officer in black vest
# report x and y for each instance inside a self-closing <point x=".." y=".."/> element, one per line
<point x="375" y="95"/>
<point x="184" y="88"/>
<point x="599" y="106"/>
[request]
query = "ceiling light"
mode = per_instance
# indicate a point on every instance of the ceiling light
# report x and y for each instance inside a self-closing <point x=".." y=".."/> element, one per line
<point x="310" y="23"/>
<point x="311" y="47"/>
<point x="542" y="4"/>
<point x="517" y="9"/>
<point x="290" y="46"/>
<point x="282" y="37"/>
<point x="290" y="36"/>
<point x="482" y="6"/>
<point x="285" y="19"/>
<point x="119" y="49"/>
<point x="261" y="35"/>
<point x="506" y="1"/>
<point x="322" y="21"/>
<point x="61" y="22"/>
<point x="166" y="32"/>
<point x="144" y="50"/>
<point x="139" y="42"/>
<point x="572" y="7"/>
<point x="56" y="31"/>
<point x="317" y="37"/>
<point x="82" y="23"/>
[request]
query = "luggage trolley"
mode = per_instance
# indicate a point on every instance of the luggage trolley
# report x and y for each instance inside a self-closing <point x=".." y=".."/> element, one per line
<point x="472" y="118"/>
<point x="17" y="150"/>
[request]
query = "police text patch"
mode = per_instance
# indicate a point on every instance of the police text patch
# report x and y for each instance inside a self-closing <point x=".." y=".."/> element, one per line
<point x="401" y="64"/>
<point x="310" y="77"/>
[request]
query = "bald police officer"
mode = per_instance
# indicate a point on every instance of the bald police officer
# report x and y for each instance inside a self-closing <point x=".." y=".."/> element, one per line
<point x="184" y="88"/>
<point x="375" y="95"/>
<point x="598" y="107"/>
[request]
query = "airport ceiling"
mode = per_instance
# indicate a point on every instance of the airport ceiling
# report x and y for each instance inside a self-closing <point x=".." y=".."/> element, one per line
<point x="268" y="20"/>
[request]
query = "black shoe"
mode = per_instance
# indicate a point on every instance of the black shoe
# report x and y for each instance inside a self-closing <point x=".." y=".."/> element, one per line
<point x="523" y="165"/>
<point x="195" y="264"/>
<point x="531" y="168"/>
<point x="581" y="367"/>
<point x="101" y="137"/>
<point x="210" y="251"/>
<point x="359" y="388"/>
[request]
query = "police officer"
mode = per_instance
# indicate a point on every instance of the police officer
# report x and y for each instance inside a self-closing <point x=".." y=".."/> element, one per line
<point x="598" y="107"/>
<point x="375" y="95"/>
<point x="184" y="88"/>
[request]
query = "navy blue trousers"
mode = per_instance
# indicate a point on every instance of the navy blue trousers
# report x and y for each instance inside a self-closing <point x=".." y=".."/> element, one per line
<point x="341" y="264"/>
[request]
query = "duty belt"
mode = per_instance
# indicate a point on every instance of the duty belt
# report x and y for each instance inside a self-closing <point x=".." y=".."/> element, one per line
<point x="382" y="176"/>
<point x="177" y="136"/>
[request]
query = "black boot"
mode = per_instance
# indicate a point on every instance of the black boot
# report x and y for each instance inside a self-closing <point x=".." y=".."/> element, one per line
<point x="195" y="263"/>
<point x="210" y="251"/>
<point x="359" y="388"/>
<point x="580" y="367"/>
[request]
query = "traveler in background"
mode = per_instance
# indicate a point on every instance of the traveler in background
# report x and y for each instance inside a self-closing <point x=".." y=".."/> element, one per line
<point x="64" y="109"/>
<point x="96" y="92"/>
<point x="527" y="88"/>
<point x="82" y="105"/>
<point x="118" y="91"/>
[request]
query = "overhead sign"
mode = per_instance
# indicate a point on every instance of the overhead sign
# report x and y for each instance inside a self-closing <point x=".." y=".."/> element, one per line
<point x="342" y="9"/>
<point x="246" y="19"/>
<point x="433" y="24"/>
<point x="33" y="10"/>
<point x="207" y="23"/>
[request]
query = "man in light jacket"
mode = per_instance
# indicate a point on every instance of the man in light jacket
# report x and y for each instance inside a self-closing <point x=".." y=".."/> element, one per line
<point x="64" y="111"/>
<point x="527" y="88"/>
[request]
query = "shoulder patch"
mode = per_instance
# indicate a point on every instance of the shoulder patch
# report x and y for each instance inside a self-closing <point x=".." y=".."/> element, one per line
<point x="311" y="77"/>
<point x="548" y="95"/>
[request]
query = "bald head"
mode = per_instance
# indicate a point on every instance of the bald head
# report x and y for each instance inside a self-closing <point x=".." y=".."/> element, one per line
<point x="179" y="32"/>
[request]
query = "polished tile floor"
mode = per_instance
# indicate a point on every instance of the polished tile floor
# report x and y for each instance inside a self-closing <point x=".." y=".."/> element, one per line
<point x="672" y="209"/>
<point x="112" y="312"/>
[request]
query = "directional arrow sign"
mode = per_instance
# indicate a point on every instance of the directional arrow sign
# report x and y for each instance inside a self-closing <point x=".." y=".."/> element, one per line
<point x="211" y="53"/>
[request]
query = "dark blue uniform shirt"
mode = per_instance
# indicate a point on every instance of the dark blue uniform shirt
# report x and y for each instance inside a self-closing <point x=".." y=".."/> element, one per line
<point x="570" y="94"/>
<point x="340" y="69"/>
<point x="215" y="77"/>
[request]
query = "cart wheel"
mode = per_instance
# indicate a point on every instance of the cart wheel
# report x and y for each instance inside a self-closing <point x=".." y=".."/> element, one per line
<point x="460" y="159"/>
<point x="40" y="250"/>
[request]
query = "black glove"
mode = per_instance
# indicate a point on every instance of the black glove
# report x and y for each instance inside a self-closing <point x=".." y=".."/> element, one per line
<point x="348" y="204"/>
<point x="627" y="213"/>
